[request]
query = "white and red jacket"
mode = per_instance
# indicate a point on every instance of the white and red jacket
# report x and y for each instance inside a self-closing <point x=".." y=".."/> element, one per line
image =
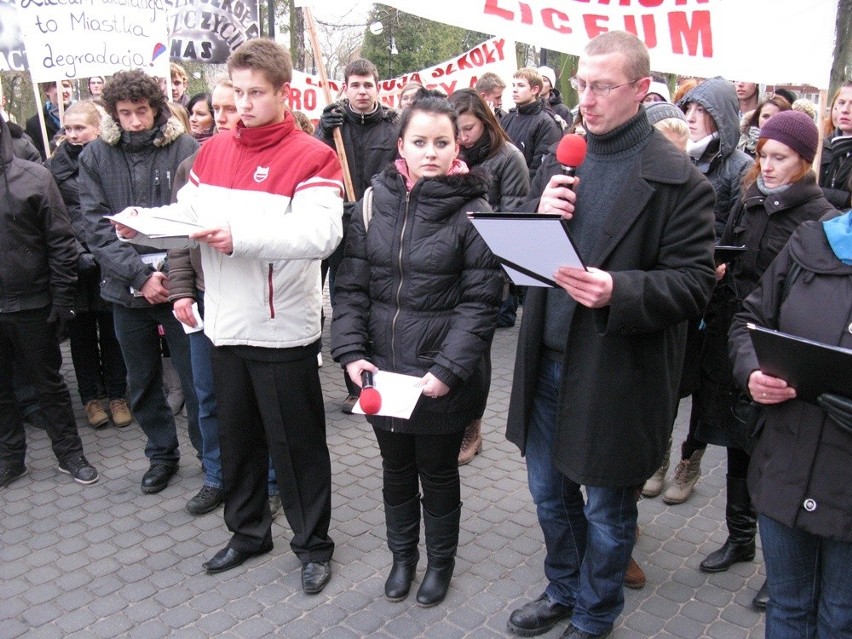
<point x="280" y="191"/>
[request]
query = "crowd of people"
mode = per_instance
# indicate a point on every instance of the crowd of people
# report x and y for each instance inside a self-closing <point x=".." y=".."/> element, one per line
<point x="228" y="316"/>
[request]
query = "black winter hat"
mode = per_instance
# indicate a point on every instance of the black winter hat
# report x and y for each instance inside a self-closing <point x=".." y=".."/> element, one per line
<point x="796" y="130"/>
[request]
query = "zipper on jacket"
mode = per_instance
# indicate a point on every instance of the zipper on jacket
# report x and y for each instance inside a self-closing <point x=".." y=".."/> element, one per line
<point x="271" y="291"/>
<point x="401" y="281"/>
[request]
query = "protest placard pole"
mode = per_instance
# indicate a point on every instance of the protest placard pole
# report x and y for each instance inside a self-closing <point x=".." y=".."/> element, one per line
<point x="40" y="112"/>
<point x="821" y="104"/>
<point x="338" y="138"/>
<point x="60" y="95"/>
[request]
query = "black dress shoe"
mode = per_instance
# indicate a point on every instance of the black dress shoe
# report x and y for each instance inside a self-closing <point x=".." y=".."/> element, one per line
<point x="315" y="576"/>
<point x="573" y="632"/>
<point x="228" y="558"/>
<point x="157" y="477"/>
<point x="762" y="597"/>
<point x="537" y="617"/>
<point x="207" y="500"/>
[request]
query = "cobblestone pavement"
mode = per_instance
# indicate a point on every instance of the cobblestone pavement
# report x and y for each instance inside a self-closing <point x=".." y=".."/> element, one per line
<point x="107" y="561"/>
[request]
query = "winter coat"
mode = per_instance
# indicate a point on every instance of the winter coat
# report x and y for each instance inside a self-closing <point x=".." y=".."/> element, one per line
<point x="836" y="171"/>
<point x="801" y="467"/>
<point x="763" y="224"/>
<point x="39" y="256"/>
<point x="122" y="169"/>
<point x="533" y="130"/>
<point x="419" y="292"/>
<point x="33" y="129"/>
<point x="22" y="144"/>
<point x="722" y="163"/>
<point x="279" y="190"/>
<point x="64" y="165"/>
<point x="622" y="363"/>
<point x="369" y="140"/>
<point x="555" y="103"/>
<point x="509" y="179"/>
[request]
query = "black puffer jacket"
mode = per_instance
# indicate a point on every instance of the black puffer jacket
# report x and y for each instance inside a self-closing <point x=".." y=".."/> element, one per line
<point x="532" y="129"/>
<point x="369" y="140"/>
<point x="122" y="169"/>
<point x="722" y="163"/>
<point x="763" y="224"/>
<point x="836" y="171"/>
<point x="22" y="144"/>
<point x="39" y="256"/>
<point x="509" y="179"/>
<point x="801" y="467"/>
<point x="419" y="292"/>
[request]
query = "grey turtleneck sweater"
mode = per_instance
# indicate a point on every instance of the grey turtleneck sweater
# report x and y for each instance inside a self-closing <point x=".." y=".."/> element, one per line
<point x="609" y="160"/>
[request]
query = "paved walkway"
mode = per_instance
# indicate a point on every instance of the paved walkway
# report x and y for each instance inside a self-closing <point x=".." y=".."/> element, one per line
<point x="107" y="561"/>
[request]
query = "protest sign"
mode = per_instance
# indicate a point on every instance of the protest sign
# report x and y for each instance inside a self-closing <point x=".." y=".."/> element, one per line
<point x="691" y="37"/>
<point x="81" y="38"/>
<point x="209" y="30"/>
<point x="13" y="56"/>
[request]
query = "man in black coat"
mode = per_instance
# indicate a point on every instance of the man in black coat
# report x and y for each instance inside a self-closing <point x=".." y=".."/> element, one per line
<point x="369" y="132"/>
<point x="38" y="273"/>
<point x="596" y="375"/>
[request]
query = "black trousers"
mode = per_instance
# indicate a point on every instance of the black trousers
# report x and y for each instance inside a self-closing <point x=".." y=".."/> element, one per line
<point x="29" y="345"/>
<point x="431" y="459"/>
<point x="273" y="409"/>
<point x="96" y="354"/>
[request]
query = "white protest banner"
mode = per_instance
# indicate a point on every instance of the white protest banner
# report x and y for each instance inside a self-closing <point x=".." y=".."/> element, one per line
<point x="496" y="55"/>
<point x="691" y="37"/>
<point x="13" y="55"/>
<point x="206" y="31"/>
<point x="81" y="38"/>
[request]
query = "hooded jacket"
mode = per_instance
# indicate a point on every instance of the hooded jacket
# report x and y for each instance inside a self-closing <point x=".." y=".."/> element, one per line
<point x="22" y="144"/>
<point x="555" y="103"/>
<point x="122" y="169"/>
<point x="532" y="129"/>
<point x="419" y="291"/>
<point x="722" y="163"/>
<point x="39" y="256"/>
<point x="800" y="468"/>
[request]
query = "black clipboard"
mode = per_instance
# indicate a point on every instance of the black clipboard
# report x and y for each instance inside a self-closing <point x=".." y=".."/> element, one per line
<point x="530" y="246"/>
<point x="723" y="254"/>
<point x="812" y="368"/>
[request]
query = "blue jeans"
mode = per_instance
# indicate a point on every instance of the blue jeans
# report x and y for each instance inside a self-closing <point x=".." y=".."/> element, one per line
<point x="201" y="349"/>
<point x="809" y="583"/>
<point x="136" y="330"/>
<point x="588" y="545"/>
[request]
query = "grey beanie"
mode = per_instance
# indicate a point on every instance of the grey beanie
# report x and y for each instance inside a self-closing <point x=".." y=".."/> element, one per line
<point x="657" y="111"/>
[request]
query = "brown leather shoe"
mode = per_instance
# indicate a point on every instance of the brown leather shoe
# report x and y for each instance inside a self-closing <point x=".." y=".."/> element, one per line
<point x="95" y="414"/>
<point x="472" y="443"/>
<point x="121" y="415"/>
<point x="634" y="577"/>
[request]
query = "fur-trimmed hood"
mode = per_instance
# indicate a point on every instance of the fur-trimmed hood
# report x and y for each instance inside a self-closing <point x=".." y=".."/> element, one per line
<point x="169" y="129"/>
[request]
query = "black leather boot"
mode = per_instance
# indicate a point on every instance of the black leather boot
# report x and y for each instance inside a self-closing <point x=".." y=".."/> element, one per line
<point x="403" y="527"/>
<point x="442" y="540"/>
<point x="742" y="527"/>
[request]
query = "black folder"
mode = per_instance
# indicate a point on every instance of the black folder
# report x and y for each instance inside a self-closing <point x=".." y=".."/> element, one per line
<point x="723" y="254"/>
<point x="812" y="368"/>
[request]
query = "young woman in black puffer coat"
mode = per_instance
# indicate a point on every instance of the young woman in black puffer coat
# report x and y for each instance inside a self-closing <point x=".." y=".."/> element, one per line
<point x="418" y="293"/>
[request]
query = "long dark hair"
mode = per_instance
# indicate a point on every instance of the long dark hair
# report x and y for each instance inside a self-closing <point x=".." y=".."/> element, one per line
<point x="779" y="101"/>
<point x="469" y="101"/>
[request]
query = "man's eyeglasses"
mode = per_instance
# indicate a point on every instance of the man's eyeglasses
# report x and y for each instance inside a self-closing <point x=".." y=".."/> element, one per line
<point x="600" y="90"/>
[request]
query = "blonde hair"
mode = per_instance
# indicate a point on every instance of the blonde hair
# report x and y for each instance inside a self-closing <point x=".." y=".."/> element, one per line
<point x="532" y="76"/>
<point x="180" y="113"/>
<point x="676" y="130"/>
<point x="178" y="71"/>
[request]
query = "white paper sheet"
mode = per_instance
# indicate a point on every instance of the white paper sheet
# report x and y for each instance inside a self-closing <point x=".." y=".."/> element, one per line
<point x="399" y="394"/>
<point x="156" y="226"/>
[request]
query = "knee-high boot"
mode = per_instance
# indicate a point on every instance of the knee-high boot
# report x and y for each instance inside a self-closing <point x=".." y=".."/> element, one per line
<point x="442" y="540"/>
<point x="403" y="528"/>
<point x="742" y="527"/>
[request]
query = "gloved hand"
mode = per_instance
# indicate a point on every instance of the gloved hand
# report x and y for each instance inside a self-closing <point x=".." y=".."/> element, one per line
<point x="332" y="117"/>
<point x="61" y="316"/>
<point x="86" y="262"/>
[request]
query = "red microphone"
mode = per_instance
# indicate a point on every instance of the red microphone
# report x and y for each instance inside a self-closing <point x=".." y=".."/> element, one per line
<point x="571" y="152"/>
<point x="371" y="399"/>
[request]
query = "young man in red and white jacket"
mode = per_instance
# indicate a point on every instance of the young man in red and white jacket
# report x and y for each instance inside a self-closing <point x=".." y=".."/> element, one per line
<point x="268" y="200"/>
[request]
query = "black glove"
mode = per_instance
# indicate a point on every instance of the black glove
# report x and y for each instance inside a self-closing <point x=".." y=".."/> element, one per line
<point x="332" y="117"/>
<point x="61" y="316"/>
<point x="86" y="262"/>
<point x="839" y="409"/>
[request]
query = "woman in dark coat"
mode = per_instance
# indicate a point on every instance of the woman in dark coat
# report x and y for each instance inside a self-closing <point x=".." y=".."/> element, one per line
<point x="780" y="193"/>
<point x="801" y="467"/>
<point x="418" y="293"/>
<point x="484" y="144"/>
<point x="836" y="171"/>
<point x="95" y="353"/>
